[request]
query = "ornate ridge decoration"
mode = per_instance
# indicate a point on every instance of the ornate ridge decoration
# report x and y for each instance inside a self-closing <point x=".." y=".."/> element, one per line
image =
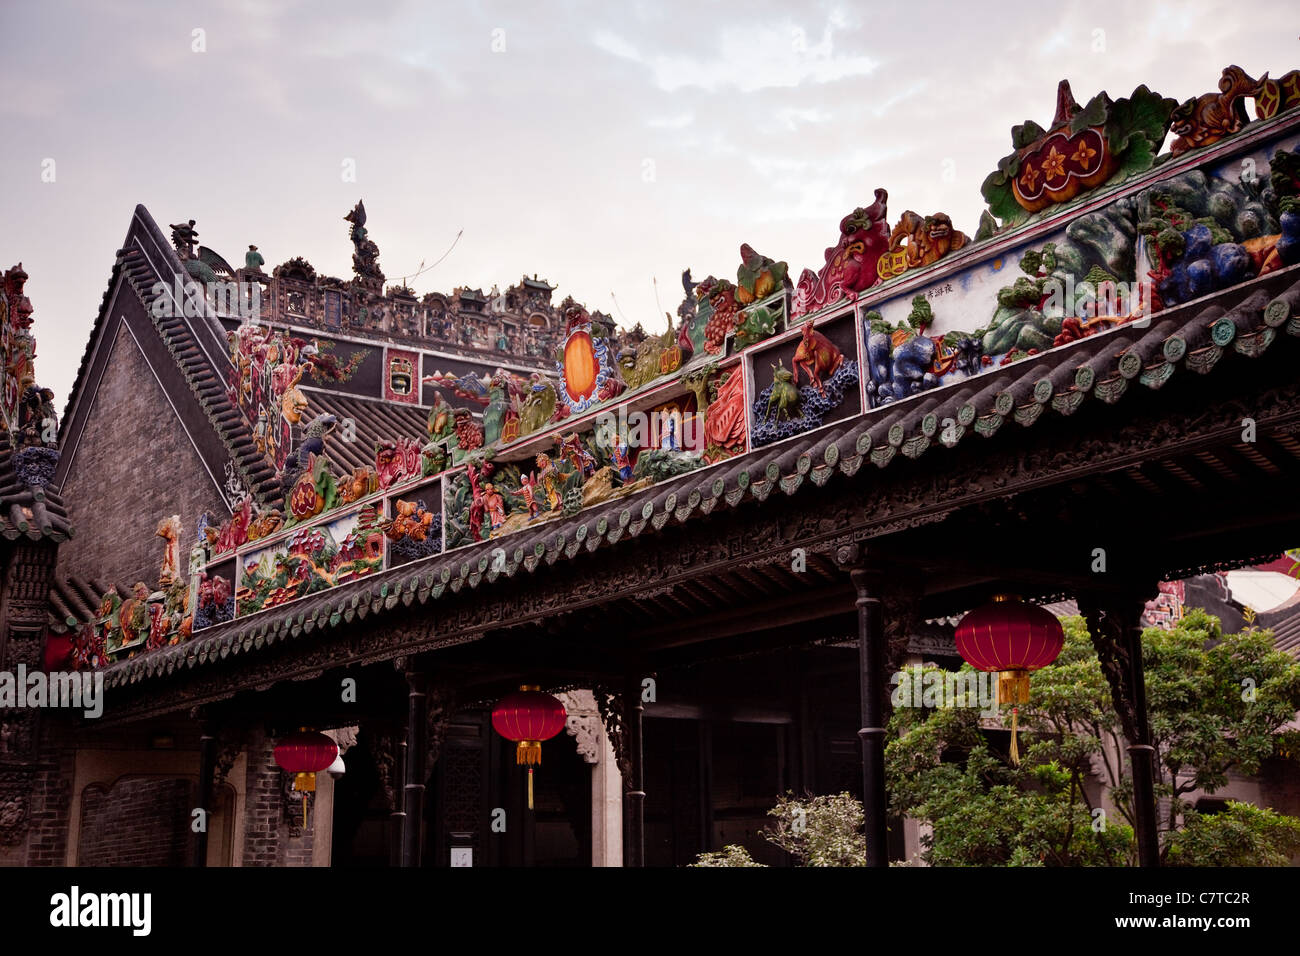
<point x="365" y="256"/>
<point x="493" y="496"/>
<point x="897" y="505"/>
<point x="851" y="264"/>
<point x="1082" y="149"/>
<point x="1204" y="120"/>
<point x="26" y="410"/>
<point x="919" y="241"/>
<point x="587" y="370"/>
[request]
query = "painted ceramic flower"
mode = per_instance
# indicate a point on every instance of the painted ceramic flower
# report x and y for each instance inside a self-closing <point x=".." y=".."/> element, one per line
<point x="1083" y="154"/>
<point x="1054" y="164"/>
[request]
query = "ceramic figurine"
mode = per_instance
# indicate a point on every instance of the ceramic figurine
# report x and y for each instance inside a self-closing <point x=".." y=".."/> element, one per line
<point x="851" y="264"/>
<point x="785" y="394"/>
<point x="495" y="504"/>
<point x="169" y="529"/>
<point x="724" y="424"/>
<point x="528" y="491"/>
<point x="538" y="406"/>
<point x="1082" y="149"/>
<point x="818" y="356"/>
<point x="621" y="459"/>
<point x="919" y="241"/>
<point x="1208" y="118"/>
<point x="758" y="276"/>
<point x="411" y="521"/>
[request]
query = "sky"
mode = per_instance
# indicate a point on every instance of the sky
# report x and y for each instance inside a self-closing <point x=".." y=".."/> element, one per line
<point x="602" y="146"/>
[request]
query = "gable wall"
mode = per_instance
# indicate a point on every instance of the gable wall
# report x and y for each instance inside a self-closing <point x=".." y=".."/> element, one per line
<point x="133" y="466"/>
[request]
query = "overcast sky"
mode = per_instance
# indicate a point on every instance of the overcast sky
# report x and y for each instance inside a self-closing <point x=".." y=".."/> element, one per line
<point x="600" y="145"/>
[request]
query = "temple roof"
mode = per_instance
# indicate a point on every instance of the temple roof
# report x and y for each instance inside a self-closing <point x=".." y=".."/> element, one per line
<point x="374" y="421"/>
<point x="196" y="344"/>
<point x="1112" y="367"/>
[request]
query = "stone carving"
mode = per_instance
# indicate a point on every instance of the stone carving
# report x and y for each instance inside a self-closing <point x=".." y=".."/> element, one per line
<point x="583" y="723"/>
<point x="442" y="707"/>
<point x="13" y="815"/>
<point x="345" y="737"/>
<point x="609" y="704"/>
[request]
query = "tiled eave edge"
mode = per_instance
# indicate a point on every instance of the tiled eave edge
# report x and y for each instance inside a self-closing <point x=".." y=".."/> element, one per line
<point x="1194" y="336"/>
<point x="207" y="386"/>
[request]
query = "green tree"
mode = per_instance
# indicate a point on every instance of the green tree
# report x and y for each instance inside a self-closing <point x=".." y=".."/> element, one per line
<point x="1216" y="702"/>
<point x="816" y="831"/>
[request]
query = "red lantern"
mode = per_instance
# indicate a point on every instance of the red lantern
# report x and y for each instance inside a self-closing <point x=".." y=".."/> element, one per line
<point x="528" y="717"/>
<point x="1011" y="638"/>
<point x="304" y="755"/>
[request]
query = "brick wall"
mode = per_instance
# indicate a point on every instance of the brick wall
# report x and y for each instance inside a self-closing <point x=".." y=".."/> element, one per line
<point x="48" y="785"/>
<point x="133" y="466"/>
<point x="270" y="839"/>
<point x="139" y="821"/>
<point x="47" y="836"/>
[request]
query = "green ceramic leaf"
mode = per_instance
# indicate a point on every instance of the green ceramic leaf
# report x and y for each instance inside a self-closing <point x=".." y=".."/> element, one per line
<point x="1143" y="115"/>
<point x="1094" y="114"/>
<point x="1026" y="133"/>
<point x="1002" y="202"/>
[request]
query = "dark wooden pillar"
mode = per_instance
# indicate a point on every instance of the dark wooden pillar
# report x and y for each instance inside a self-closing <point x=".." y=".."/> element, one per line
<point x="706" y="784"/>
<point x="416" y="750"/>
<point x="390" y="759"/>
<point x="1142" y="754"/>
<point x="1115" y="624"/>
<point x="634" y="797"/>
<point x="872" y="682"/>
<point x="207" y="768"/>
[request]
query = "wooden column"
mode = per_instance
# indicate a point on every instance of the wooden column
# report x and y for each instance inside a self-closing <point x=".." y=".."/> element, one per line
<point x="634" y="851"/>
<point x="706" y="784"/>
<point x="416" y="750"/>
<point x="1141" y="752"/>
<point x="397" y="777"/>
<point x="1115" y="625"/>
<point x="872" y="682"/>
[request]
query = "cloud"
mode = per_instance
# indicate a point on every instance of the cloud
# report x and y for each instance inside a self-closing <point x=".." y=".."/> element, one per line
<point x="747" y="56"/>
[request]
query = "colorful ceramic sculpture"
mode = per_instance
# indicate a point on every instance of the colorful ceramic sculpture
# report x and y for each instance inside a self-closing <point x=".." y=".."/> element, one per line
<point x="1082" y="149"/>
<point x="851" y="264"/>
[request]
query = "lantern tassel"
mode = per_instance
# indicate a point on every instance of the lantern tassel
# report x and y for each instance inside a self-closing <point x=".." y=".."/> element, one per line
<point x="530" y="788"/>
<point x="1015" y="749"/>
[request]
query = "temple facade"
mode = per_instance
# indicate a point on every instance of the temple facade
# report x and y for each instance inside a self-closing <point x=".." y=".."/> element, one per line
<point x="280" y="503"/>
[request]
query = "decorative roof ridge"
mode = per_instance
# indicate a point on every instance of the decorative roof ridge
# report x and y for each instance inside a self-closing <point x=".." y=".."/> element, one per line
<point x="681" y="496"/>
